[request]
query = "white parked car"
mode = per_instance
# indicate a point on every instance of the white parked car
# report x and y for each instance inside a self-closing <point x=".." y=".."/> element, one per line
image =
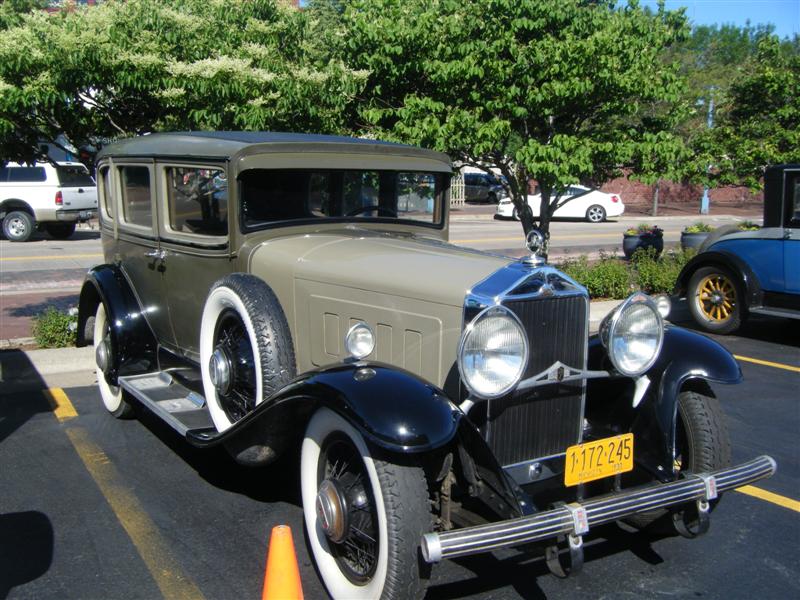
<point x="583" y="203"/>
<point x="44" y="196"/>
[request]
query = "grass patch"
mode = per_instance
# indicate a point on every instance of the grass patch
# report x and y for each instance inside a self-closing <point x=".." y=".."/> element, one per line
<point x="55" y="329"/>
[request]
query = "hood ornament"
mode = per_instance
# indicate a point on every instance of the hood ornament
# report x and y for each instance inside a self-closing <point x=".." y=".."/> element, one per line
<point x="534" y="240"/>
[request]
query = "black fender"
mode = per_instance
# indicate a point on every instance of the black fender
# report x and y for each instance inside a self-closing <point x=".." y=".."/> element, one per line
<point x="687" y="360"/>
<point x="733" y="263"/>
<point x="394" y="410"/>
<point x="133" y="343"/>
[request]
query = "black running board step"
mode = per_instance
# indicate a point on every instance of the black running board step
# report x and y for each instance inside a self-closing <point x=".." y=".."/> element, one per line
<point x="770" y="311"/>
<point x="181" y="408"/>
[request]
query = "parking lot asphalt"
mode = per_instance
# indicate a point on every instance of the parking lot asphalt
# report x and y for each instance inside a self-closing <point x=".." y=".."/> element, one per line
<point x="93" y="507"/>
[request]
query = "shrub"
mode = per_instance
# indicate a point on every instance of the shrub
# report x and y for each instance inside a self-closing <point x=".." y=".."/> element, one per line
<point x="610" y="277"/>
<point x="645" y="229"/>
<point x="699" y="227"/>
<point x="55" y="329"/>
<point x="658" y="275"/>
<point x="748" y="226"/>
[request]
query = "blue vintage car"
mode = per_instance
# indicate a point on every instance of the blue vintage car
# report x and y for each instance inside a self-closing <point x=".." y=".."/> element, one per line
<point x="741" y="272"/>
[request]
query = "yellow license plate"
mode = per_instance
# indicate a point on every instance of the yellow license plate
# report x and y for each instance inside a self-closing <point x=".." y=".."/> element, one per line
<point x="595" y="460"/>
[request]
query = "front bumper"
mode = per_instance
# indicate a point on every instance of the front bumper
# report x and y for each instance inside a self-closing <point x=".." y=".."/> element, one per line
<point x="578" y="518"/>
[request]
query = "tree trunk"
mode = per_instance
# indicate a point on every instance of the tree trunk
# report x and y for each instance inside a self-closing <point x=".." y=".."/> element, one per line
<point x="655" y="197"/>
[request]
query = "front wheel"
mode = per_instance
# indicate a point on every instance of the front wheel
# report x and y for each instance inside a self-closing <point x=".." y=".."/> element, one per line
<point x="18" y="226"/>
<point x="715" y="300"/>
<point x="702" y="443"/>
<point x="364" y="516"/>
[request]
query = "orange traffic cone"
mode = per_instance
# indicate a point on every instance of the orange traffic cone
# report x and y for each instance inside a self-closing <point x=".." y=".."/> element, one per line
<point x="282" y="579"/>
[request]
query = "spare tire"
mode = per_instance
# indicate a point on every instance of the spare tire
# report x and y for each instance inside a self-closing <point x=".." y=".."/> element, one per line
<point x="246" y="350"/>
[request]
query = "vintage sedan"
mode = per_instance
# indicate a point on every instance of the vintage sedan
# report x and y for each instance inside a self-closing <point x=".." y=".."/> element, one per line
<point x="737" y="273"/>
<point x="577" y="202"/>
<point x="266" y="290"/>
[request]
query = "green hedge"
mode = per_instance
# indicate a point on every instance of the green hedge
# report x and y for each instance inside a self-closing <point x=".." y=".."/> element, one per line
<point x="614" y="278"/>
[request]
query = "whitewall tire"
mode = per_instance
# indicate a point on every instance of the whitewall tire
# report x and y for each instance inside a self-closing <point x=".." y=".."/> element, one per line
<point x="112" y="395"/>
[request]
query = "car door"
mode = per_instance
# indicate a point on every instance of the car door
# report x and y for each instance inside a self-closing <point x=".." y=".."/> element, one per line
<point x="194" y="243"/>
<point x="138" y="245"/>
<point x="791" y="245"/>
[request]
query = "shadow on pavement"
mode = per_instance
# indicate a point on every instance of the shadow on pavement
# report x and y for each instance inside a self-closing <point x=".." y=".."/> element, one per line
<point x="23" y="392"/>
<point x="26" y="548"/>
<point x="59" y="302"/>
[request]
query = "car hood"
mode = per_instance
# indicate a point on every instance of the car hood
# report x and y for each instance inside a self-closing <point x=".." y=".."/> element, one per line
<point x="397" y="265"/>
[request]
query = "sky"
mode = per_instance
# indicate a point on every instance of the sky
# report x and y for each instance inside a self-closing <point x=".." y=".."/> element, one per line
<point x="783" y="14"/>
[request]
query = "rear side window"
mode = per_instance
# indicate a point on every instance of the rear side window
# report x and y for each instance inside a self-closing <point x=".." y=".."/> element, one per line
<point x="25" y="174"/>
<point x="76" y="176"/>
<point x="198" y="200"/>
<point x="105" y="191"/>
<point x="136" y="206"/>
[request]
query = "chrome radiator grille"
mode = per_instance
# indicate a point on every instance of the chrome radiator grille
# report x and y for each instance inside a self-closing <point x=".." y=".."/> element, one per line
<point x="543" y="421"/>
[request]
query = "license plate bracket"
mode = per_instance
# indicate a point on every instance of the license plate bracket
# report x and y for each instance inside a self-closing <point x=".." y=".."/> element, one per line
<point x="598" y="459"/>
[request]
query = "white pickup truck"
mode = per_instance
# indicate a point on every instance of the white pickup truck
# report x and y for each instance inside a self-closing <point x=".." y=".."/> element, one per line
<point x="45" y="196"/>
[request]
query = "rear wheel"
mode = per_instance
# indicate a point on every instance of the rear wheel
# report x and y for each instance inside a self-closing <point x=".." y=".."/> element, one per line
<point x="112" y="395"/>
<point x="60" y="231"/>
<point x="702" y="443"/>
<point x="364" y="516"/>
<point x="18" y="226"/>
<point x="595" y="214"/>
<point x="715" y="300"/>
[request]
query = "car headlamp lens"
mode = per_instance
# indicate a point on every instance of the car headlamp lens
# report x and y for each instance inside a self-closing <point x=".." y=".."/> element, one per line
<point x="493" y="353"/>
<point x="633" y="335"/>
<point x="359" y="341"/>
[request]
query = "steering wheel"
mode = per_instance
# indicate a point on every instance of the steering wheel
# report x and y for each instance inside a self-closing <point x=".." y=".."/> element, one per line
<point x="361" y="209"/>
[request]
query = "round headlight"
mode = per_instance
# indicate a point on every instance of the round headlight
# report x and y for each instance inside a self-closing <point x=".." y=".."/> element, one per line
<point x="493" y="353"/>
<point x="359" y="341"/>
<point x="633" y="335"/>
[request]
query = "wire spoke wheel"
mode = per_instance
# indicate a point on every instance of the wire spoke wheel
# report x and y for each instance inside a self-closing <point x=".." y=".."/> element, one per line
<point x="233" y="342"/>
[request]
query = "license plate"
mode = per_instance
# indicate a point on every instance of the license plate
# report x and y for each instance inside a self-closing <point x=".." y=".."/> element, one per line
<point x="596" y="460"/>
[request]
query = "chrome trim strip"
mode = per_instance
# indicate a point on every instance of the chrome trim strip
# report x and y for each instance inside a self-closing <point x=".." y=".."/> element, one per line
<point x="551" y="375"/>
<point x="560" y="521"/>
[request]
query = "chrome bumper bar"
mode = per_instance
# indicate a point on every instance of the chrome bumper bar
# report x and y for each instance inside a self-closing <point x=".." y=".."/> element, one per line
<point x="577" y="519"/>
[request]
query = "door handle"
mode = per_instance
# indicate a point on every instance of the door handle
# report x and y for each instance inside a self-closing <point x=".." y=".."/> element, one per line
<point x="156" y="254"/>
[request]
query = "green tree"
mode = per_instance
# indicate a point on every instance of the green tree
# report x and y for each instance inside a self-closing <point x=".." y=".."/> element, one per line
<point x="758" y="123"/>
<point x="124" y="68"/>
<point x="559" y="91"/>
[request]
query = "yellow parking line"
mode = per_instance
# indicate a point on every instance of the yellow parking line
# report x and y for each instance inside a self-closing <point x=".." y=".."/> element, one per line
<point x="62" y="407"/>
<point x="767" y="363"/>
<point x="770" y="497"/>
<point x="166" y="572"/>
<point x="50" y="257"/>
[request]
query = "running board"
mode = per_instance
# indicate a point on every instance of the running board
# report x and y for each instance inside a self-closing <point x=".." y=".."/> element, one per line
<point x="181" y="408"/>
<point x="786" y="313"/>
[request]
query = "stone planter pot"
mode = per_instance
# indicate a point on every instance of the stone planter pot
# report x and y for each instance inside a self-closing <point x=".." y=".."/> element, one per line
<point x="693" y="240"/>
<point x="631" y="243"/>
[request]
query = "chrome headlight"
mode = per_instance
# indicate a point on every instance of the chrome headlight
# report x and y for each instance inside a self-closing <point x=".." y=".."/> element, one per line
<point x="493" y="353"/>
<point x="633" y="334"/>
<point x="359" y="341"/>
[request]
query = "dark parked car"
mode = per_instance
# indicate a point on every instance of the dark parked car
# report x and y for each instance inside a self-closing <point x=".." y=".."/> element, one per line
<point x="741" y="272"/>
<point x="263" y="291"/>
<point x="483" y="187"/>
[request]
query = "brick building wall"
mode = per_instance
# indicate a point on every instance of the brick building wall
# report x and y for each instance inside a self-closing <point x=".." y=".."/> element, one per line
<point x="672" y="193"/>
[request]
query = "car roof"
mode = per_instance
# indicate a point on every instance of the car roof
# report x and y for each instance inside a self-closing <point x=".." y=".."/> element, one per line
<point x="227" y="144"/>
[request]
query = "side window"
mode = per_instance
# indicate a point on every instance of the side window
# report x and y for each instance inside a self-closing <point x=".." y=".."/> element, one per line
<point x="198" y="200"/>
<point x="105" y="192"/>
<point x="136" y="206"/>
<point x="27" y="174"/>
<point x="794" y="202"/>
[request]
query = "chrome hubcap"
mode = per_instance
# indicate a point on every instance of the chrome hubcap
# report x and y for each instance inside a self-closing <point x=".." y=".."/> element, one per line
<point x="332" y="511"/>
<point x="16" y="227"/>
<point x="102" y="355"/>
<point x="219" y="370"/>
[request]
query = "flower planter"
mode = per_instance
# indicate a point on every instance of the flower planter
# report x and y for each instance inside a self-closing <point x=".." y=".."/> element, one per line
<point x="631" y="243"/>
<point x="693" y="240"/>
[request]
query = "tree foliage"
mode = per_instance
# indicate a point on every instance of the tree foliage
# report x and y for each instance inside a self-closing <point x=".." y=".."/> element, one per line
<point x="124" y="68"/>
<point x="556" y="91"/>
<point x="758" y="122"/>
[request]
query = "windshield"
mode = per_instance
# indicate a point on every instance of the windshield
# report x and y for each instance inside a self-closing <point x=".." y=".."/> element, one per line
<point x="76" y="176"/>
<point x="270" y="196"/>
